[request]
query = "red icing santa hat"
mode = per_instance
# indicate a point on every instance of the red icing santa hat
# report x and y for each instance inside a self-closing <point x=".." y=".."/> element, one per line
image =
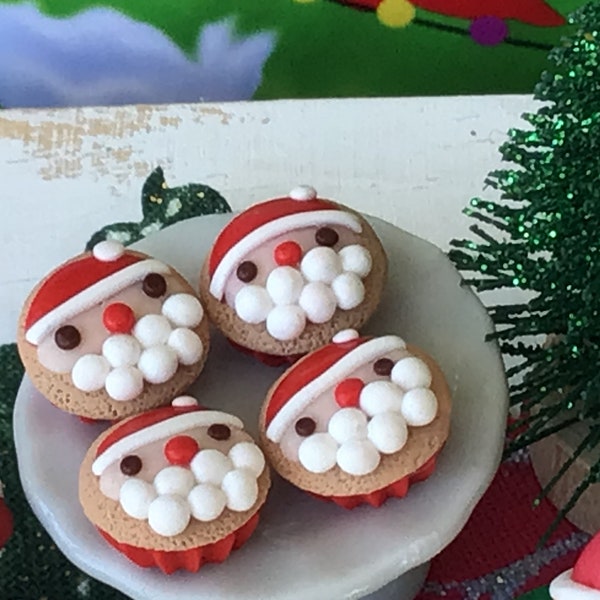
<point x="83" y="283"/>
<point x="320" y="371"/>
<point x="583" y="581"/>
<point x="266" y="220"/>
<point x="183" y="414"/>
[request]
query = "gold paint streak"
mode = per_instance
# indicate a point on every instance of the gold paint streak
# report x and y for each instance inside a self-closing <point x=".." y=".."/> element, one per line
<point x="58" y="141"/>
<point x="170" y="121"/>
<point x="213" y="111"/>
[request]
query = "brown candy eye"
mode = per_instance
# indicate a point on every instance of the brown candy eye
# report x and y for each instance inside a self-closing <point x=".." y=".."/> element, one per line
<point x="67" y="337"/>
<point x="131" y="465"/>
<point x="326" y="236"/>
<point x="218" y="431"/>
<point x="246" y="271"/>
<point x="383" y="366"/>
<point x="154" y="285"/>
<point x="305" y="426"/>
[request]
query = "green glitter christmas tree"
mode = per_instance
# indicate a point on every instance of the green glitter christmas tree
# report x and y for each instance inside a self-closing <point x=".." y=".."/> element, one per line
<point x="542" y="237"/>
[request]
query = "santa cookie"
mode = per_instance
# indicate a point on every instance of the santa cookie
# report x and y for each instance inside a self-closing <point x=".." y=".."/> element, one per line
<point x="111" y="333"/>
<point x="582" y="582"/>
<point x="286" y="274"/>
<point x="357" y="421"/>
<point x="175" y="487"/>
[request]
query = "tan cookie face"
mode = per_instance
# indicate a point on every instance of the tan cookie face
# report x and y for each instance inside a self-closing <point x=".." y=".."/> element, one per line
<point x="173" y="477"/>
<point x="351" y="421"/>
<point x="106" y="338"/>
<point x="283" y="282"/>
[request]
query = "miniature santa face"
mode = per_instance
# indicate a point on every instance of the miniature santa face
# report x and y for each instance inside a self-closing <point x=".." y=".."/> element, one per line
<point x="356" y="415"/>
<point x="108" y="333"/>
<point x="286" y="272"/>
<point x="175" y="469"/>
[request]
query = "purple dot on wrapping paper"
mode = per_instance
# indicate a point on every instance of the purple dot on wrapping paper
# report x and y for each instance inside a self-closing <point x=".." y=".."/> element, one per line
<point x="488" y="31"/>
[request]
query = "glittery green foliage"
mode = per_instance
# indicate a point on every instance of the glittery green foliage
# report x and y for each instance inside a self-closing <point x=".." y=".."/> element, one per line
<point x="162" y="206"/>
<point x="543" y="237"/>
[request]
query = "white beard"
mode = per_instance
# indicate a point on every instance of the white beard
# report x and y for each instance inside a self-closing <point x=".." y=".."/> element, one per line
<point x="152" y="352"/>
<point x="326" y="280"/>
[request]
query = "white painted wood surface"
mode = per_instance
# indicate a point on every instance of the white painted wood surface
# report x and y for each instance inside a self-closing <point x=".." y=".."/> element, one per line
<point x="415" y="162"/>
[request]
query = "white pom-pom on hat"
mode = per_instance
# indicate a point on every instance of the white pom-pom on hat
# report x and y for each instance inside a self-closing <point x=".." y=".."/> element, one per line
<point x="303" y="192"/>
<point x="108" y="250"/>
<point x="182" y="401"/>
<point x="345" y="335"/>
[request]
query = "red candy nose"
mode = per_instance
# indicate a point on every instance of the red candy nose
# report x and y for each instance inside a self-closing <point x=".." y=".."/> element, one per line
<point x="347" y="392"/>
<point x="287" y="254"/>
<point x="118" y="318"/>
<point x="181" y="449"/>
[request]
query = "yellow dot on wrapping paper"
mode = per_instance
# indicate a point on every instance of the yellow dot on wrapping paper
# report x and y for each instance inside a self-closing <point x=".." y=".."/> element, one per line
<point x="304" y="1"/>
<point x="396" y="13"/>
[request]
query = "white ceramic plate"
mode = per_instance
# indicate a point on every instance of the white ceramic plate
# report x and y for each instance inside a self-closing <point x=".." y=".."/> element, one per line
<point x="303" y="547"/>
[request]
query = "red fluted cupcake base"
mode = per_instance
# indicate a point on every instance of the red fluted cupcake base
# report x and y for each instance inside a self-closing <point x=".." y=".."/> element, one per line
<point x="397" y="489"/>
<point x="169" y="561"/>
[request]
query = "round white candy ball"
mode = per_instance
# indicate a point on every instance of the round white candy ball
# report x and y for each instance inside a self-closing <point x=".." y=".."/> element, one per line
<point x="411" y="372"/>
<point x="241" y="489"/>
<point x="286" y="322"/>
<point x="388" y="432"/>
<point x="186" y="344"/>
<point x="356" y="259"/>
<point x="321" y="264"/>
<point x="124" y="383"/>
<point x="135" y="497"/>
<point x="318" y="301"/>
<point x="284" y="285"/>
<point x="380" y="396"/>
<point x="89" y="372"/>
<point x="247" y="455"/>
<point x="317" y="453"/>
<point x="158" y="364"/>
<point x="349" y="290"/>
<point x="169" y="515"/>
<point x="253" y="304"/>
<point x="347" y="424"/>
<point x="419" y="407"/>
<point x="210" y="466"/>
<point x="183" y="310"/>
<point x="108" y="250"/>
<point x="207" y="502"/>
<point x="152" y="330"/>
<point x="174" y="480"/>
<point x="358" y="457"/>
<point x="121" y="350"/>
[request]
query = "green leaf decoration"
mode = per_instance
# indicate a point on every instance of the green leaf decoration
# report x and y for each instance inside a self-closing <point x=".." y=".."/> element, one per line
<point x="162" y="206"/>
